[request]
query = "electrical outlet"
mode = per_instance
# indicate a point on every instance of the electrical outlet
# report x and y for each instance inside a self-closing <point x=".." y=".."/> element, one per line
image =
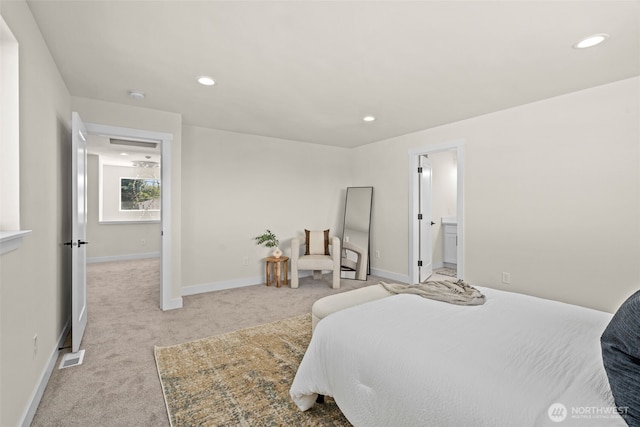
<point x="506" y="278"/>
<point x="35" y="345"/>
<point x="377" y="254"/>
<point x="245" y="261"/>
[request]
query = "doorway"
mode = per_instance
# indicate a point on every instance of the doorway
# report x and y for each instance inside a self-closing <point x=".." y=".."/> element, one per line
<point x="164" y="142"/>
<point x="433" y="219"/>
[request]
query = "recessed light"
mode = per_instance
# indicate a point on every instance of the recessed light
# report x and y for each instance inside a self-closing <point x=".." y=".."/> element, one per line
<point x="591" y="41"/>
<point x="368" y="118"/>
<point x="136" y="94"/>
<point x="124" y="154"/>
<point x="206" y="81"/>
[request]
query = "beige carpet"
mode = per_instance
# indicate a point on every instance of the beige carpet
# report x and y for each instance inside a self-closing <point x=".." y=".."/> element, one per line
<point x="117" y="385"/>
<point x="446" y="271"/>
<point x="241" y="378"/>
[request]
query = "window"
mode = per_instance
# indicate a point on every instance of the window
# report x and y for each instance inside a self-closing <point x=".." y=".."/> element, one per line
<point x="139" y="194"/>
<point x="9" y="137"/>
<point x="10" y="233"/>
<point x="128" y="192"/>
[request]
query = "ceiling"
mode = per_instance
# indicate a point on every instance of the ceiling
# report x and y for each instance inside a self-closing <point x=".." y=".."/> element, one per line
<point x="311" y="70"/>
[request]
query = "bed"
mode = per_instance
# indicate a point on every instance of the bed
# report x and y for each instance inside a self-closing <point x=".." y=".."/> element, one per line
<point x="405" y="360"/>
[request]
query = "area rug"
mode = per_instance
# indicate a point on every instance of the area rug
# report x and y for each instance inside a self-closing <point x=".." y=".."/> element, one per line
<point x="241" y="378"/>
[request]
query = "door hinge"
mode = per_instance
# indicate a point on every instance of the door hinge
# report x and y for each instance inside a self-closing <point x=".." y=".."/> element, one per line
<point x="419" y="169"/>
<point x="419" y="217"/>
<point x="420" y="263"/>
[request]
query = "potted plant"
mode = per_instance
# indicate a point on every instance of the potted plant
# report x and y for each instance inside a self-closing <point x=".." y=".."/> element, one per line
<point x="269" y="240"/>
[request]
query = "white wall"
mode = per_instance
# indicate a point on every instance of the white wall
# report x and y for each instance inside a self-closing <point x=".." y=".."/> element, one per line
<point x="115" y="241"/>
<point x="34" y="280"/>
<point x="235" y="186"/>
<point x="551" y="195"/>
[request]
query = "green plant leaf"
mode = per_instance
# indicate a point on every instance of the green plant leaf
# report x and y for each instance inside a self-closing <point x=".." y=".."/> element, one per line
<point x="267" y="239"/>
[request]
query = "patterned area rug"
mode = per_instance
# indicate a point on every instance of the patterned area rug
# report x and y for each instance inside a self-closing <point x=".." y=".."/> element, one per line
<point x="241" y="378"/>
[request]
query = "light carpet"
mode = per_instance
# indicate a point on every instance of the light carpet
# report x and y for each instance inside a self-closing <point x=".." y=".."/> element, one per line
<point x="241" y="378"/>
<point x="446" y="271"/>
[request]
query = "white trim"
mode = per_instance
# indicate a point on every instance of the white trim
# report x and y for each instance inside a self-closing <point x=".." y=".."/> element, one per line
<point x="401" y="278"/>
<point x="128" y="257"/>
<point x="10" y="129"/>
<point x="414" y="153"/>
<point x="11" y="240"/>
<point x="260" y="280"/>
<point x="221" y="285"/>
<point x="128" y="222"/>
<point x="167" y="302"/>
<point x="36" y="396"/>
<point x="231" y="284"/>
<point x="172" y="304"/>
<point x="124" y="133"/>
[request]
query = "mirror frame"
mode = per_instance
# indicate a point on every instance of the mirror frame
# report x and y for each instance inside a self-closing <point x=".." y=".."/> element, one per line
<point x="346" y="270"/>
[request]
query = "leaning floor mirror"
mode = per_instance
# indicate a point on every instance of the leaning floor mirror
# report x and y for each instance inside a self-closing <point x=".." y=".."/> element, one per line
<point x="355" y="233"/>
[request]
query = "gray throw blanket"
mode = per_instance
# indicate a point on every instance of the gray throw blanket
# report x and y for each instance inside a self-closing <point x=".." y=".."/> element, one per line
<point x="457" y="292"/>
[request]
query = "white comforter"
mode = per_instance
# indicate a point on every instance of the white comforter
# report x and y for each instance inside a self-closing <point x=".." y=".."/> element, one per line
<point x="409" y="361"/>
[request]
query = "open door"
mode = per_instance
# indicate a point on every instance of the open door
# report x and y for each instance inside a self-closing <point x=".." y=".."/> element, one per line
<point x="78" y="230"/>
<point x="425" y="252"/>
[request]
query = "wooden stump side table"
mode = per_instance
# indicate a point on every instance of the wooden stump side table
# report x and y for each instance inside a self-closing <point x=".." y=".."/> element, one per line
<point x="277" y="270"/>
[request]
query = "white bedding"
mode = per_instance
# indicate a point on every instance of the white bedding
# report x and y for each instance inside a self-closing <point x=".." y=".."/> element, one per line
<point x="409" y="361"/>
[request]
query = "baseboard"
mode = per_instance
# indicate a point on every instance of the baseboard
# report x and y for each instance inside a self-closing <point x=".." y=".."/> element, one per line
<point x="173" y="304"/>
<point x="438" y="265"/>
<point x="402" y="278"/>
<point x="223" y="284"/>
<point x="230" y="284"/>
<point x="92" y="260"/>
<point x="36" y="396"/>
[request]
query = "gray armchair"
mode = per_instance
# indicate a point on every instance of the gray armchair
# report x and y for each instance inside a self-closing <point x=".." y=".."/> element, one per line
<point x="318" y="262"/>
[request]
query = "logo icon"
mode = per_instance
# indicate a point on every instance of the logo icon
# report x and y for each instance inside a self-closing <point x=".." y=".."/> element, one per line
<point x="557" y="412"/>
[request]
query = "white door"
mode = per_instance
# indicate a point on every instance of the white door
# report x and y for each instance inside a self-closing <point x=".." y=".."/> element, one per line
<point x="425" y="255"/>
<point x="78" y="230"/>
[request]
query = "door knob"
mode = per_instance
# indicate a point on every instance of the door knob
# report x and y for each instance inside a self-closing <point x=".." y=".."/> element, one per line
<point x="433" y="223"/>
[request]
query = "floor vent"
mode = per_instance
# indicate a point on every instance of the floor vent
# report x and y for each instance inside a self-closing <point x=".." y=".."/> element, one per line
<point x="72" y="359"/>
